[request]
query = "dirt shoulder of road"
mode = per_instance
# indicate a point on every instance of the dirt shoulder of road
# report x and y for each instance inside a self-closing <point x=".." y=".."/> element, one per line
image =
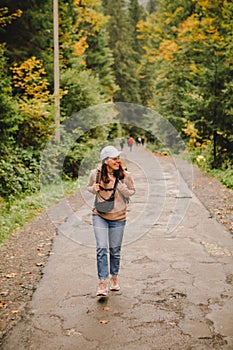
<point x="216" y="197"/>
<point x="24" y="255"/>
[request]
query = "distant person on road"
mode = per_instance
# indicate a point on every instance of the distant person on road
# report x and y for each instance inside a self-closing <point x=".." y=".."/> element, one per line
<point x="109" y="226"/>
<point x="130" y="143"/>
<point x="122" y="143"/>
<point x="138" y="140"/>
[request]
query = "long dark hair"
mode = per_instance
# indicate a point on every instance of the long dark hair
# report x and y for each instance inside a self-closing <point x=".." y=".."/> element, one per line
<point x="117" y="173"/>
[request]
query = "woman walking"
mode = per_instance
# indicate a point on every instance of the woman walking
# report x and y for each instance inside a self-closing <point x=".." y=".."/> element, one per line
<point x="109" y="180"/>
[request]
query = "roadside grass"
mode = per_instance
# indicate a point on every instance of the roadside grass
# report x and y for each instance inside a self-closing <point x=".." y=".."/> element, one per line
<point x="225" y="176"/>
<point x="16" y="213"/>
<point x="203" y="159"/>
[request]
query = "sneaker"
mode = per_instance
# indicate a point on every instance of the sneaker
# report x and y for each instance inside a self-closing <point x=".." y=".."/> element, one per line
<point x="102" y="288"/>
<point x="114" y="283"/>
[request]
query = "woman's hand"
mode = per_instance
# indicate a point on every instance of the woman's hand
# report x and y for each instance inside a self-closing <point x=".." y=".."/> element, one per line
<point x="96" y="187"/>
<point x="125" y="174"/>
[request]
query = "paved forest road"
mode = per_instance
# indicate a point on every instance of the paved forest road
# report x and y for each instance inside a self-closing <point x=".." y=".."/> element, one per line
<point x="176" y="274"/>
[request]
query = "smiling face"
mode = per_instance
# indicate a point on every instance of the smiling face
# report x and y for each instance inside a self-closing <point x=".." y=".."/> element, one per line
<point x="113" y="164"/>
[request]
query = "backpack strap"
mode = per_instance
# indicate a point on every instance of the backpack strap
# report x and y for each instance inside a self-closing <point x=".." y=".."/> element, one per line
<point x="98" y="176"/>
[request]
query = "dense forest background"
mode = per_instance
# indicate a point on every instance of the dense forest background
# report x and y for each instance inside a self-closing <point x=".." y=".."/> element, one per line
<point x="172" y="56"/>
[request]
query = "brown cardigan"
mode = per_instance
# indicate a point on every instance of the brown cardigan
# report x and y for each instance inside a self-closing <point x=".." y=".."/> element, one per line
<point x="125" y="189"/>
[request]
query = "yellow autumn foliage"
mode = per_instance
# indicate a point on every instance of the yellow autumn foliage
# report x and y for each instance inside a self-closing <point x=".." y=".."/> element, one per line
<point x="6" y="18"/>
<point x="89" y="21"/>
<point x="192" y="132"/>
<point x="80" y="46"/>
<point x="151" y="33"/>
<point x="206" y="5"/>
<point x="30" y="78"/>
<point x="167" y="49"/>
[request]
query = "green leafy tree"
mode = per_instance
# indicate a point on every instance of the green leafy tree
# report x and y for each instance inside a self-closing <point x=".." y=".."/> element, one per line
<point x="121" y="43"/>
<point x="151" y="6"/>
<point x="18" y="166"/>
<point x="31" y="34"/>
<point x="82" y="90"/>
<point x="99" y="59"/>
<point x="31" y="88"/>
<point x="136" y="13"/>
<point x="10" y="115"/>
<point x="188" y="43"/>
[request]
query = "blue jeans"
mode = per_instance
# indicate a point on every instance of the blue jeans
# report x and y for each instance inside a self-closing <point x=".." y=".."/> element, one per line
<point x="108" y="234"/>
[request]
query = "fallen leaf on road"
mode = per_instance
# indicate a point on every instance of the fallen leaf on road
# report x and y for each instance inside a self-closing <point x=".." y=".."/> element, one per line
<point x="106" y="308"/>
<point x="72" y="332"/>
<point x="11" y="275"/>
<point x="15" y="312"/>
<point x="104" y="321"/>
<point x="4" y="293"/>
<point x="2" y="303"/>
